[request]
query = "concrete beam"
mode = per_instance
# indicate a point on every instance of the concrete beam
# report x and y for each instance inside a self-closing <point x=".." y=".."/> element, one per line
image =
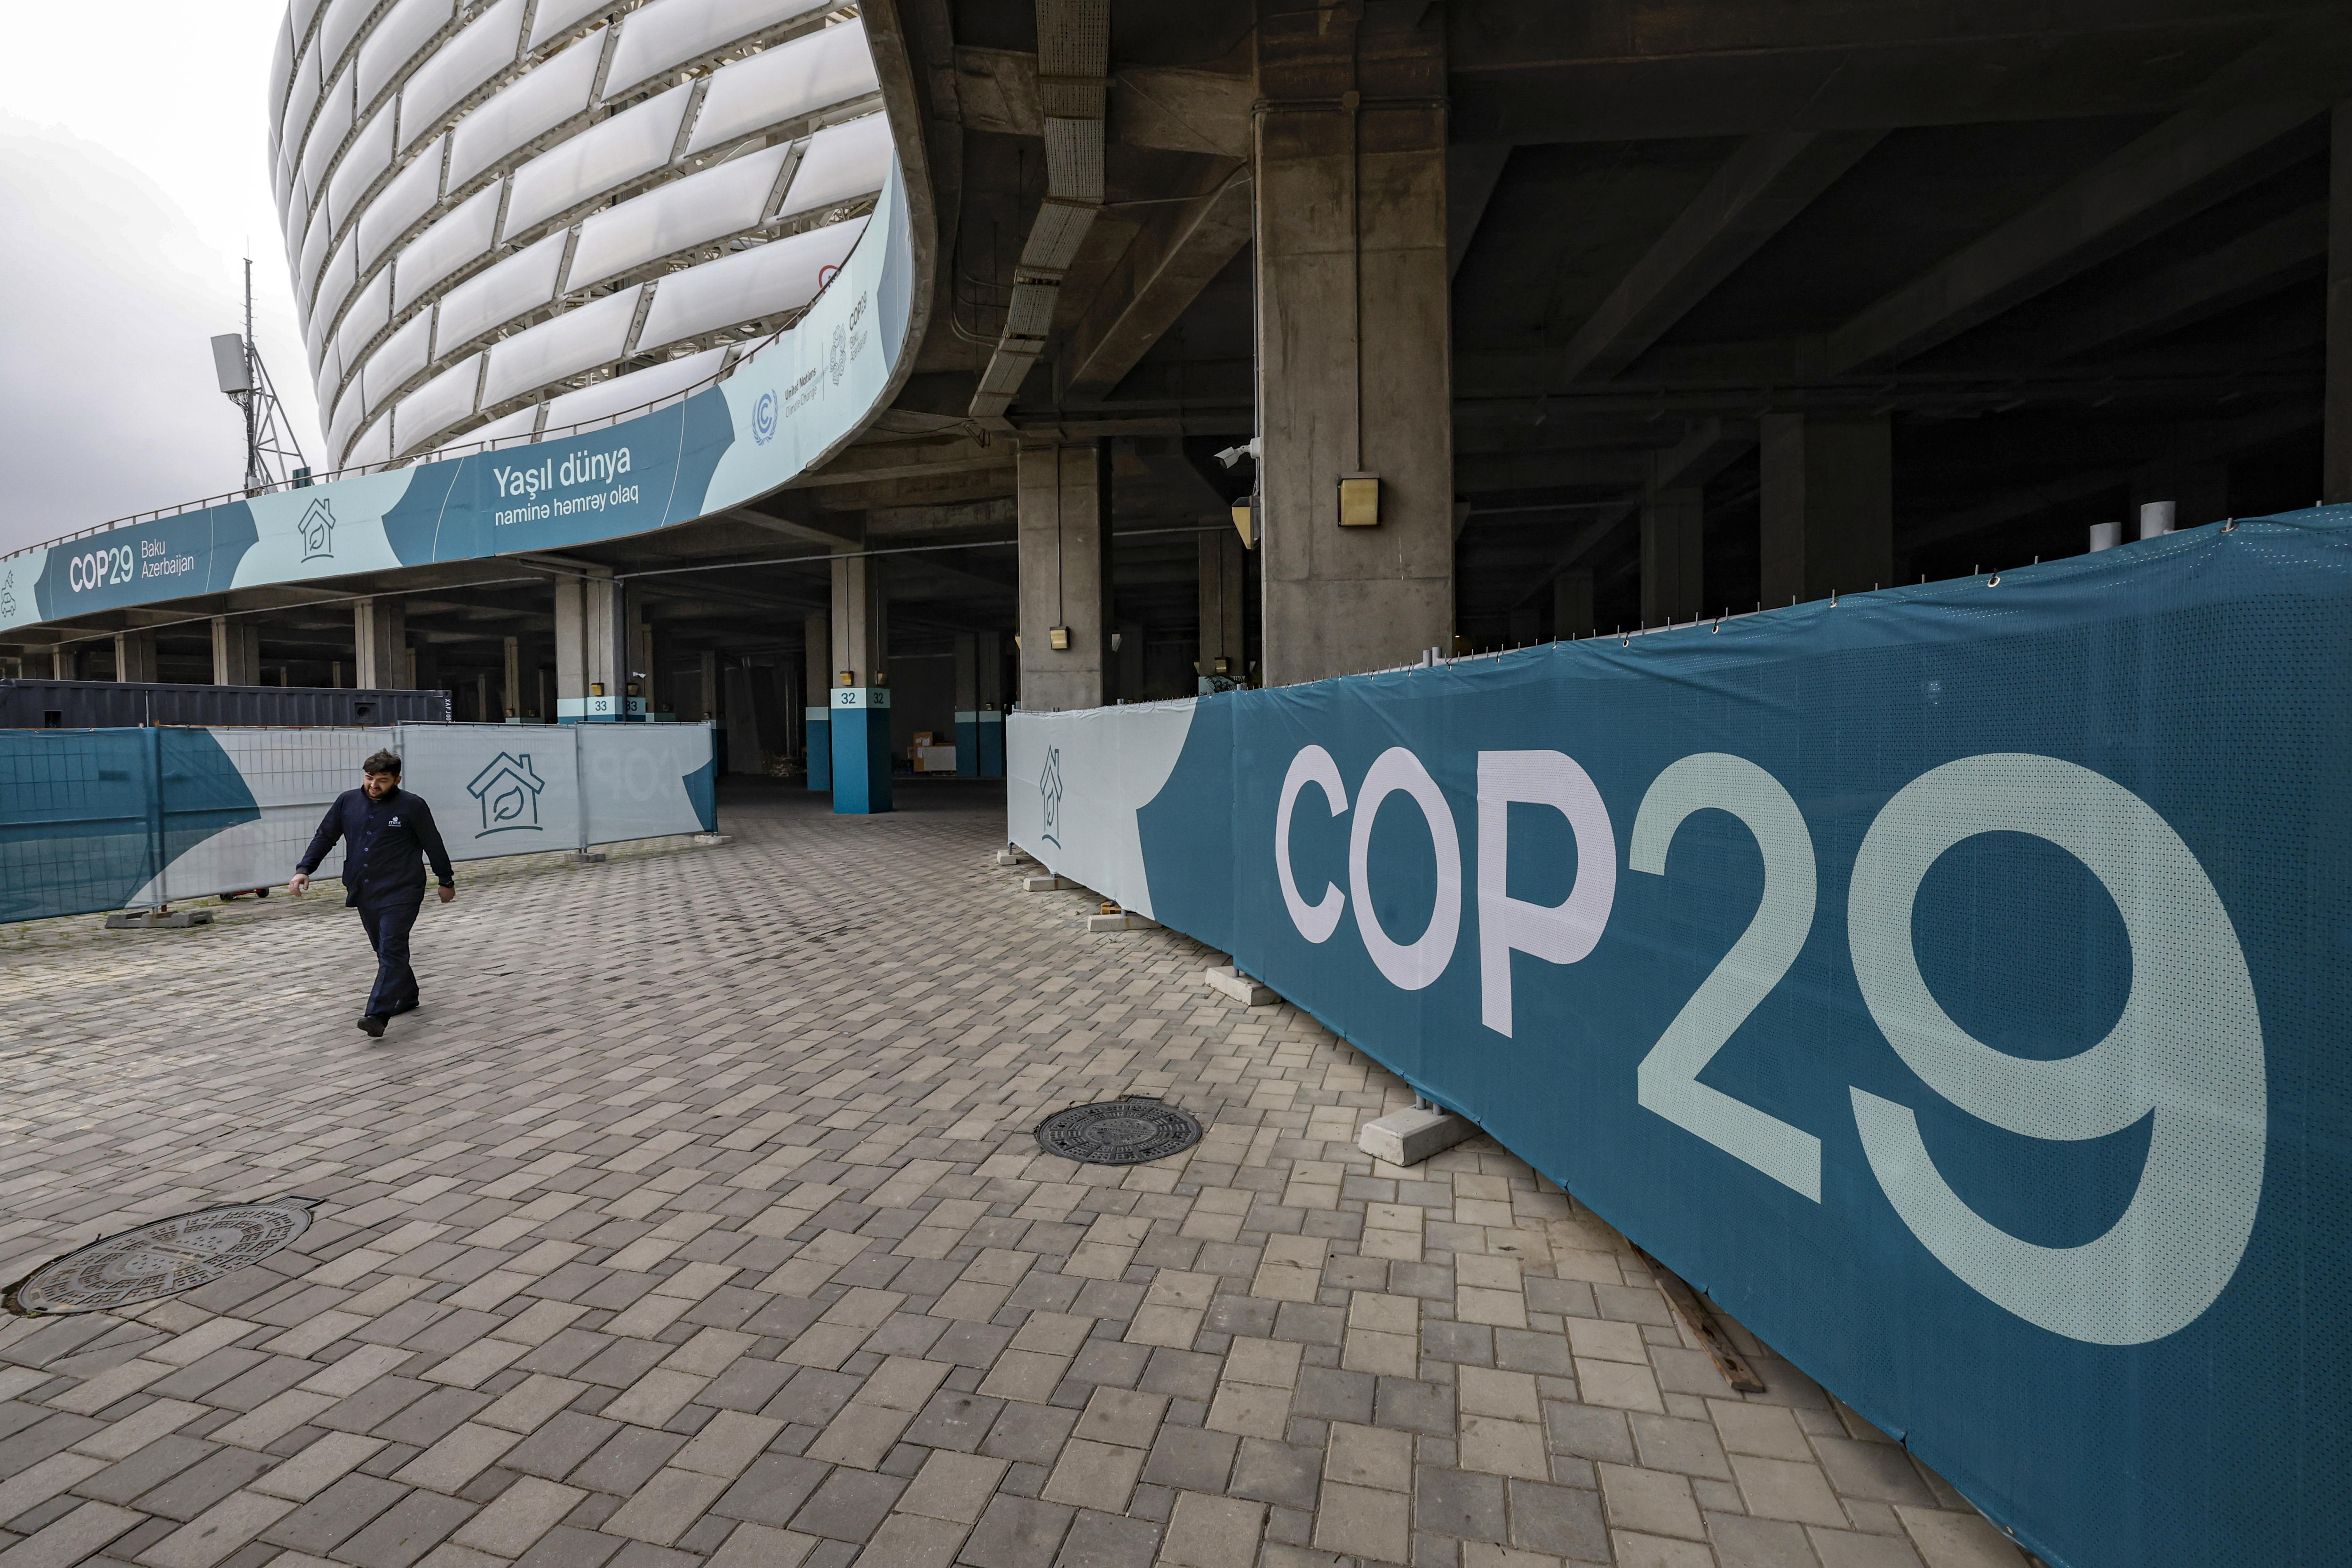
<point x="2238" y="125"/>
<point x="1161" y="274"/>
<point x="2201" y="443"/>
<point x="1766" y="182"/>
<point x="2253" y="264"/>
<point x="921" y="458"/>
<point x="1473" y="170"/>
<point x="1710" y="446"/>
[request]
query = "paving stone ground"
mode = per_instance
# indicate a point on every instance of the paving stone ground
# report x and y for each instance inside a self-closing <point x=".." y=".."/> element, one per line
<point x="697" y="1218"/>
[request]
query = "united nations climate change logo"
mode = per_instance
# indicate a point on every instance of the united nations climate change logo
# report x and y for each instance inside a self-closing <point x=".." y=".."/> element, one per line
<point x="8" y="595"/>
<point x="763" y="418"/>
<point x="1049" y="793"/>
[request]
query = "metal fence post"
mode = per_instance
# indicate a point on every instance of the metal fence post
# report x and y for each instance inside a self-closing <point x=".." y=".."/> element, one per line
<point x="155" y="842"/>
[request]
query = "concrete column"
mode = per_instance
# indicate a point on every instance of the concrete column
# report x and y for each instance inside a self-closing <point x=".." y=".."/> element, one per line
<point x="988" y="658"/>
<point x="2335" y="477"/>
<point x="380" y="644"/>
<point x="1674" y="519"/>
<point x="424" y="665"/>
<point x="1352" y="347"/>
<point x="1571" y="605"/>
<point x="134" y="656"/>
<point x="706" y="687"/>
<point x="511" y="688"/>
<point x="816" y="631"/>
<point x="967" y="705"/>
<point x="236" y="651"/>
<point x="1224" y="579"/>
<point x="1064" y="512"/>
<point x="1827" y="506"/>
<point x="588" y="648"/>
<point x="65" y="662"/>
<point x="859" y="699"/>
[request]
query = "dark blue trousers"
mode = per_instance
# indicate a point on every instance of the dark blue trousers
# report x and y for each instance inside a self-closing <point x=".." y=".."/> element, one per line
<point x="387" y="927"/>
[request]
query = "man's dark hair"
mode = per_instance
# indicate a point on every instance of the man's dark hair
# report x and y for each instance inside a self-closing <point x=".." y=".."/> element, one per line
<point x="382" y="763"/>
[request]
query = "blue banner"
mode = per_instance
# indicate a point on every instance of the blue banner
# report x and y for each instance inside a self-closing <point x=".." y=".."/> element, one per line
<point x="1948" y="981"/>
<point x="778" y="411"/>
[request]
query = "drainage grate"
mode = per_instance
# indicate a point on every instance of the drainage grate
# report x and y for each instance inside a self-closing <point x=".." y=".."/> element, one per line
<point x="1118" y="1132"/>
<point x="162" y="1258"/>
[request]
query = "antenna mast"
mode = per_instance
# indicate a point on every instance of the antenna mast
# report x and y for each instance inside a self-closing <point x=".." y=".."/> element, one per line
<point x="272" y="455"/>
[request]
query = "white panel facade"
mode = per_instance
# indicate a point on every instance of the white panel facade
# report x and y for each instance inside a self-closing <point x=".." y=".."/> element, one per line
<point x="485" y="47"/>
<point x="842" y="162"/>
<point x="327" y="131"/>
<point x="371" y="309"/>
<point x="576" y="340"/>
<point x="455" y="239"/>
<point x="828" y="67"/>
<point x="409" y="196"/>
<point x="496" y="295"/>
<point x="701" y="208"/>
<point x="340" y="27"/>
<point x="531" y="105"/>
<point x="626" y="394"/>
<point x="437" y="405"/>
<point x="393" y="240"/>
<point x="668" y="33"/>
<point x="766" y="280"/>
<point x="402" y="356"/>
<point x="407" y="27"/>
<point x="635" y="142"/>
<point x="336" y="281"/>
<point x="554" y="17"/>
<point x="369" y="156"/>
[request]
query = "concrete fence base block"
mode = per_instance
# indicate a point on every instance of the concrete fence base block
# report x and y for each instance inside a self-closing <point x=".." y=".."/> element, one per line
<point x="1045" y="884"/>
<point x="1128" y="920"/>
<point x="1409" y="1137"/>
<point x="713" y="838"/>
<point x="589" y="856"/>
<point x="1013" y="857"/>
<point x="150" y="920"/>
<point x="1240" y="987"/>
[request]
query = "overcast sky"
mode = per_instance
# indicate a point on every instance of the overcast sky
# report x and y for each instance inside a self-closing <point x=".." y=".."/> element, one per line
<point x="133" y="147"/>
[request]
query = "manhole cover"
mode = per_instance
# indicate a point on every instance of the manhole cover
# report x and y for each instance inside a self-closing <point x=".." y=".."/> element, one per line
<point x="162" y="1258"/>
<point x="1118" y="1132"/>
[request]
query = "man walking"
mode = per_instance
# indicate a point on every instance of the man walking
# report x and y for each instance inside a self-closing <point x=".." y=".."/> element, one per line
<point x="388" y="834"/>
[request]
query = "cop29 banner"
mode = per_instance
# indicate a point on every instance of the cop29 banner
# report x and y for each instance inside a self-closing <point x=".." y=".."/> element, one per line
<point x="776" y="413"/>
<point x="1952" y="981"/>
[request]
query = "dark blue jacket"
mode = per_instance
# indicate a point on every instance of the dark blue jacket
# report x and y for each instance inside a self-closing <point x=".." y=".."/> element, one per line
<point x="386" y="843"/>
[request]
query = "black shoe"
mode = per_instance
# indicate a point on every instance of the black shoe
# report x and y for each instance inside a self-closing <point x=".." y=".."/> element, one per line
<point x="372" y="1026"/>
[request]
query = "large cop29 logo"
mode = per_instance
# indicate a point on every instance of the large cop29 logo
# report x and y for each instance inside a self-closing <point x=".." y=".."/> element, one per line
<point x="2186" y="1056"/>
<point x="763" y="418"/>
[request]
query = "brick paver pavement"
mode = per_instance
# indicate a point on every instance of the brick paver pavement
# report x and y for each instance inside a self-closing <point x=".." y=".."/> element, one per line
<point x="697" y="1218"/>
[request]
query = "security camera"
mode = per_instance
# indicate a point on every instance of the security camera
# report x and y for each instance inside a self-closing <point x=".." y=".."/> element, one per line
<point x="1233" y="455"/>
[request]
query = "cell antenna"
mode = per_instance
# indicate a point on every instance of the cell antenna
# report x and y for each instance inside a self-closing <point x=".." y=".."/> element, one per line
<point x="272" y="455"/>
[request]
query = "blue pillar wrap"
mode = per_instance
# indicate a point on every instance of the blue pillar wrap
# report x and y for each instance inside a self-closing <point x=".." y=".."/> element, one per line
<point x="861" y="749"/>
<point x="967" y="745"/>
<point x="991" y="750"/>
<point x="820" y="748"/>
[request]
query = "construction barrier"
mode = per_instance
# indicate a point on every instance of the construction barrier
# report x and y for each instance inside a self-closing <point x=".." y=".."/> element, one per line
<point x="1949" y="981"/>
<point x="109" y="819"/>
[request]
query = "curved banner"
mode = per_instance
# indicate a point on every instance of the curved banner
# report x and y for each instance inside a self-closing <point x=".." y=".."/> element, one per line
<point x="1950" y="981"/>
<point x="774" y="413"/>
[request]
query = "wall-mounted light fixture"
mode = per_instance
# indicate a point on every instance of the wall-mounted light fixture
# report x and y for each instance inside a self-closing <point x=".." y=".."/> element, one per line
<point x="1060" y="638"/>
<point x="848" y="678"/>
<point x="1359" y="501"/>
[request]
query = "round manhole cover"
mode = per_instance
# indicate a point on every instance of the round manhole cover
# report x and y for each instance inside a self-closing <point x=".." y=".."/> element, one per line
<point x="162" y="1258"/>
<point x="1118" y="1132"/>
